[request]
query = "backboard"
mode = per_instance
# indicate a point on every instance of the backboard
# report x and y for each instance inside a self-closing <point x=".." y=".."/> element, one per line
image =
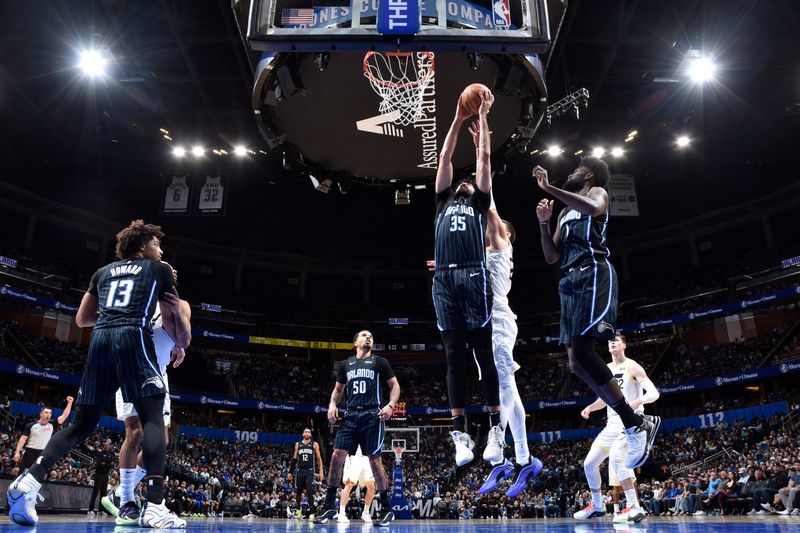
<point x="501" y="26"/>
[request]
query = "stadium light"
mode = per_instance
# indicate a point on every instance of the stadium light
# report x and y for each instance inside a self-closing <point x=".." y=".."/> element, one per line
<point x="92" y="63"/>
<point x="683" y="141"/>
<point x="198" y="151"/>
<point x="178" y="151"/>
<point x="598" y="152"/>
<point x="554" y="151"/>
<point x="617" y="151"/>
<point x="240" y="150"/>
<point x="701" y="69"/>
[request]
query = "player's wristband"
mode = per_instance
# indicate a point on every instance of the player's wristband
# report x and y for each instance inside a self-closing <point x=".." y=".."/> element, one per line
<point x="544" y="223"/>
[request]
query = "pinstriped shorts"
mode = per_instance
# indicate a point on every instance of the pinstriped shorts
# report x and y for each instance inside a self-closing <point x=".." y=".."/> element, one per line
<point x="120" y="358"/>
<point x="588" y="301"/>
<point x="462" y="298"/>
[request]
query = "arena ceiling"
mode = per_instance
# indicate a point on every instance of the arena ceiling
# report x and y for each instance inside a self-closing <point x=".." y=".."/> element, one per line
<point x="181" y="66"/>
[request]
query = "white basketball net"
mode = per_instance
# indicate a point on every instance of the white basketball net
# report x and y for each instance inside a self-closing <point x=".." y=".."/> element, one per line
<point x="400" y="79"/>
<point x="398" y="453"/>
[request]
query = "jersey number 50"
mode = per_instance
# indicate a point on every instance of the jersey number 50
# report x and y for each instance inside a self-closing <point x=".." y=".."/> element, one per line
<point x="359" y="387"/>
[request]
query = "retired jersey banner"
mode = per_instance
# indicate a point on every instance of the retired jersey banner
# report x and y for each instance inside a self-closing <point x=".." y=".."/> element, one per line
<point x="177" y="193"/>
<point x="622" y="198"/>
<point x="211" y="195"/>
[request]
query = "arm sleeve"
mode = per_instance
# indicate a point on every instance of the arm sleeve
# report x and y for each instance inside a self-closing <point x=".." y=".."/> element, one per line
<point x="341" y="375"/>
<point x="385" y="369"/>
<point x="165" y="281"/>
<point x="93" y="283"/>
<point x="651" y="393"/>
<point x="27" y="431"/>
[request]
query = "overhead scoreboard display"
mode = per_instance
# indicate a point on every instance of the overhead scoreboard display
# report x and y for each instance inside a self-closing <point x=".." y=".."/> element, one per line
<point x="496" y="26"/>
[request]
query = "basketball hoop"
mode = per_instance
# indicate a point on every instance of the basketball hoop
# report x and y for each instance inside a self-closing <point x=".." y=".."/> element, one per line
<point x="398" y="453"/>
<point x="400" y="79"/>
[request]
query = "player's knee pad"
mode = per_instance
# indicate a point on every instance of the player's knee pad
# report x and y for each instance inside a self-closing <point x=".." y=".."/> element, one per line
<point x="586" y="363"/>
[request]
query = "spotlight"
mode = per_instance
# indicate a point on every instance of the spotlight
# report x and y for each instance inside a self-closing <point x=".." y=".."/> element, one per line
<point x="240" y="150"/>
<point x="701" y="69"/>
<point x="178" y="151"/>
<point x="617" y="151"/>
<point x="682" y="141"/>
<point x="92" y="63"/>
<point x="598" y="152"/>
<point x="198" y="151"/>
<point x="554" y="151"/>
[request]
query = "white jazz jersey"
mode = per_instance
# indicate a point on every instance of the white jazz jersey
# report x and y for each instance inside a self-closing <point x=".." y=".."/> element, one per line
<point x="164" y="345"/>
<point x="501" y="265"/>
<point x="631" y="389"/>
<point x="504" y="322"/>
<point x="357" y="468"/>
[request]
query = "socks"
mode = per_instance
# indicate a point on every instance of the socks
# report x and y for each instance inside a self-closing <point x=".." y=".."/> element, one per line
<point x="460" y="423"/>
<point x="330" y="498"/>
<point x="126" y="484"/>
<point x="155" y="489"/>
<point x="138" y="476"/>
<point x="494" y="419"/>
<point x="597" y="499"/>
<point x="512" y="415"/>
<point x="630" y="499"/>
<point x="385" y="504"/>
<point x="626" y="414"/>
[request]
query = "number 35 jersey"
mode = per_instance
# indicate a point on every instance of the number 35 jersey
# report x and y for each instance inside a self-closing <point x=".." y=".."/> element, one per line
<point x="128" y="292"/>
<point x="460" y="229"/>
<point x="363" y="379"/>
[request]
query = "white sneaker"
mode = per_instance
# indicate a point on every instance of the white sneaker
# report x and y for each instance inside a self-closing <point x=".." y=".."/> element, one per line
<point x="366" y="517"/>
<point x="464" y="445"/>
<point x="342" y="518"/>
<point x="157" y="516"/>
<point x="699" y="513"/>
<point x="22" y="496"/>
<point x="762" y="512"/>
<point x="495" y="442"/>
<point x="590" y="511"/>
<point x="629" y="514"/>
<point x="784" y="512"/>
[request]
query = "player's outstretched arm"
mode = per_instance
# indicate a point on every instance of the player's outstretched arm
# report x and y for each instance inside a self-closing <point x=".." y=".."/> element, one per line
<point x="651" y="393"/>
<point x="596" y="203"/>
<point x="67" y="410"/>
<point x="483" y="163"/>
<point x="444" y="174"/>
<point x="550" y="242"/>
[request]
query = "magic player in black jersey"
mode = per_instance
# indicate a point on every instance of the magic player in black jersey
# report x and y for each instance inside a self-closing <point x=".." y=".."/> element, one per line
<point x="305" y="460"/>
<point x="462" y="292"/>
<point x="362" y="376"/>
<point x="588" y="289"/>
<point x="119" y="303"/>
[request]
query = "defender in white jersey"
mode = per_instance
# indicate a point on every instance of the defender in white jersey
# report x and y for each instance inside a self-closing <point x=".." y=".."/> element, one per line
<point x="500" y="235"/>
<point x="170" y="340"/>
<point x="357" y="471"/>
<point x="611" y="442"/>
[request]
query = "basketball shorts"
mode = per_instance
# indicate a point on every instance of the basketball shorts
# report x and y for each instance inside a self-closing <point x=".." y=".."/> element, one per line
<point x="126" y="409"/>
<point x="504" y="337"/>
<point x="361" y="428"/>
<point x="304" y="480"/>
<point x="462" y="298"/>
<point x="120" y="358"/>
<point x="358" y="470"/>
<point x="588" y="302"/>
<point x="28" y="458"/>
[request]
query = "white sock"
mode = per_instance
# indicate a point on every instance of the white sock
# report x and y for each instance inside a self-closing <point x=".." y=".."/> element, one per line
<point x="630" y="499"/>
<point x="342" y="511"/>
<point x="126" y="484"/>
<point x="597" y="499"/>
<point x="138" y="476"/>
<point x="512" y="413"/>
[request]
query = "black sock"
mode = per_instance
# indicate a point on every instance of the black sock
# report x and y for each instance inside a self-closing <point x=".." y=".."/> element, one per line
<point x="330" y="498"/>
<point x="385" y="503"/>
<point x="460" y="423"/>
<point x="494" y="419"/>
<point x="155" y="488"/>
<point x="626" y="414"/>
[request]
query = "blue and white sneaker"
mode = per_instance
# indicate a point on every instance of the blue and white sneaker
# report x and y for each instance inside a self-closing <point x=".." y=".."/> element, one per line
<point x="22" y="496"/>
<point x="523" y="474"/>
<point x="498" y="474"/>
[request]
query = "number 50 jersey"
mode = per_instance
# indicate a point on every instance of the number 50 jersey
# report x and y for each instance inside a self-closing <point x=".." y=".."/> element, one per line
<point x="363" y="379"/>
<point x="128" y="291"/>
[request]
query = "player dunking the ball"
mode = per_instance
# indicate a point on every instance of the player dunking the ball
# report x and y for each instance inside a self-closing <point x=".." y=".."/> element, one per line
<point x="588" y="290"/>
<point x="119" y="303"/>
<point x="638" y="390"/>
<point x="305" y="460"/>
<point x="362" y="375"/>
<point x="462" y="293"/>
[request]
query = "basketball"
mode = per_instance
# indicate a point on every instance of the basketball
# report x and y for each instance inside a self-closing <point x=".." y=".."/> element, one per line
<point x="470" y="98"/>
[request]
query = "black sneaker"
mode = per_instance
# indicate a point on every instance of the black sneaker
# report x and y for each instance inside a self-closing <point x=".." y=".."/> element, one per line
<point x="640" y="441"/>
<point x="384" y="518"/>
<point x="328" y="514"/>
<point x="128" y="515"/>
